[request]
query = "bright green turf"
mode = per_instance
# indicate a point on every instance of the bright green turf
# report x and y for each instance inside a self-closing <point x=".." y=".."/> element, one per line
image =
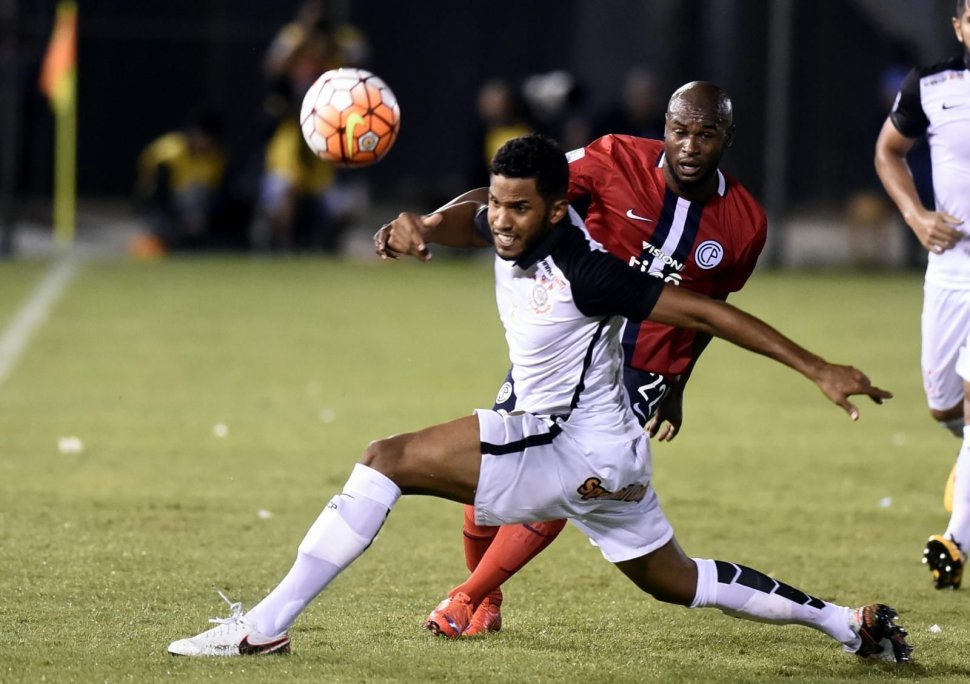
<point x="107" y="556"/>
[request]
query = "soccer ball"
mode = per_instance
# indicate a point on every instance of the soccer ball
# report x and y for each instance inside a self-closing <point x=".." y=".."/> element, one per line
<point x="350" y="117"/>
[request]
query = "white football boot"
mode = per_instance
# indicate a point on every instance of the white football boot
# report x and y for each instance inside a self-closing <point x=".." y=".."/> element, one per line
<point x="232" y="636"/>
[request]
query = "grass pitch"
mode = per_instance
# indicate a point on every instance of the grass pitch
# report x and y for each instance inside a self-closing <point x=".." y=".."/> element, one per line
<point x="109" y="554"/>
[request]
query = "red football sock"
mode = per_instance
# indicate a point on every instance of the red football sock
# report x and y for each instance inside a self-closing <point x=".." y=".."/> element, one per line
<point x="477" y="538"/>
<point x="514" y="547"/>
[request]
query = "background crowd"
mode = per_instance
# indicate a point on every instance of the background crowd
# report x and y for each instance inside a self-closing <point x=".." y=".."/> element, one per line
<point x="190" y="108"/>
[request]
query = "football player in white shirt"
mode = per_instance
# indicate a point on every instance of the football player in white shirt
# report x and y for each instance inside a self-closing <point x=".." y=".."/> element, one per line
<point x="935" y="101"/>
<point x="573" y="448"/>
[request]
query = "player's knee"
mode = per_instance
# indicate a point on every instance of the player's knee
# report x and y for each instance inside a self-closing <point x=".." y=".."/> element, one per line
<point x="676" y="584"/>
<point x="384" y="456"/>
<point x="950" y="419"/>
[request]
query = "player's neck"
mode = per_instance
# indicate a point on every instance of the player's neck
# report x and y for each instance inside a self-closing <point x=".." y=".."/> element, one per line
<point x="692" y="192"/>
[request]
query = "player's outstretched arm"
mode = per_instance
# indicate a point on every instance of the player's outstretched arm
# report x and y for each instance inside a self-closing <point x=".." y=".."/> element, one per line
<point x="685" y="309"/>
<point x="409" y="234"/>
<point x="479" y="195"/>
<point x="936" y="230"/>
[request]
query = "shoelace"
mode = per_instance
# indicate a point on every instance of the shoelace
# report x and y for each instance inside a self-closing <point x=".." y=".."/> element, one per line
<point x="235" y="612"/>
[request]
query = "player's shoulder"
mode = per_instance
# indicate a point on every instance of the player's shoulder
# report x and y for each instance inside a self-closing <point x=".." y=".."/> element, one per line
<point x="928" y="71"/>
<point x="620" y="145"/>
<point x="740" y="199"/>
<point x="573" y="249"/>
<point x="635" y="144"/>
<point x="940" y="71"/>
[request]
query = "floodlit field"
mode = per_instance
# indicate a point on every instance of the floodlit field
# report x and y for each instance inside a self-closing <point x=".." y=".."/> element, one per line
<point x="109" y="554"/>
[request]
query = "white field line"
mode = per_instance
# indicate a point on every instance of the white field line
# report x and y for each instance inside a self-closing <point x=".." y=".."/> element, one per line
<point x="33" y="313"/>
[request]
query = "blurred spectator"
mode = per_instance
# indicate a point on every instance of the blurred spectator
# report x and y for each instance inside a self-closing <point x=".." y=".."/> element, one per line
<point x="302" y="50"/>
<point x="179" y="177"/>
<point x="869" y="214"/>
<point x="302" y="201"/>
<point x="557" y="103"/>
<point x="639" y="111"/>
<point x="501" y="117"/>
<point x="294" y="209"/>
<point x="342" y="45"/>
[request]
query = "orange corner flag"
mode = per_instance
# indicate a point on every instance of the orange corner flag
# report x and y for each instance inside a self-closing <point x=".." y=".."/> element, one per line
<point x="58" y="80"/>
<point x="60" y="61"/>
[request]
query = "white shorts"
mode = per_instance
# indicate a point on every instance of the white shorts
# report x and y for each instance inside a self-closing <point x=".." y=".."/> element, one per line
<point x="945" y="332"/>
<point x="534" y="469"/>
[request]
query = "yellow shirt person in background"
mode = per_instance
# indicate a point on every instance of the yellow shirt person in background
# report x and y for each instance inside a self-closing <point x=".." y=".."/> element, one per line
<point x="179" y="177"/>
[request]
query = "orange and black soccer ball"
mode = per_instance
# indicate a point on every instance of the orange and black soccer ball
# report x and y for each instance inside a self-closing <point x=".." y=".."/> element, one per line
<point x="350" y="117"/>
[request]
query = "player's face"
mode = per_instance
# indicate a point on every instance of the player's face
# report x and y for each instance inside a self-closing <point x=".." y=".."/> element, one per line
<point x="518" y="216"/>
<point x="694" y="141"/>
<point x="961" y="26"/>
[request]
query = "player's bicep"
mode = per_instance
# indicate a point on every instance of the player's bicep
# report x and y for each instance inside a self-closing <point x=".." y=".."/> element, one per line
<point x="891" y="142"/>
<point x="606" y="286"/>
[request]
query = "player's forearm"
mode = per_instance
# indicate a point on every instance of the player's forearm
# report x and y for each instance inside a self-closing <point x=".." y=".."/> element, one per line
<point x="898" y="182"/>
<point x="894" y="172"/>
<point x="710" y="317"/>
<point x="744" y="330"/>
<point x="457" y="226"/>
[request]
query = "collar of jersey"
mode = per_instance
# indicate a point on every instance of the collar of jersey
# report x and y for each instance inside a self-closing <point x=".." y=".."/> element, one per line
<point x="545" y="246"/>
<point x="721" y="180"/>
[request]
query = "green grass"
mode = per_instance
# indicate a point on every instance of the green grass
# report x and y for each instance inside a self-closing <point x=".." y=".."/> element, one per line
<point x="107" y="555"/>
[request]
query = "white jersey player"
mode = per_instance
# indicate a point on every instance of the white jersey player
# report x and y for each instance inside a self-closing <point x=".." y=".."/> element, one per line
<point x="573" y="447"/>
<point x="935" y="102"/>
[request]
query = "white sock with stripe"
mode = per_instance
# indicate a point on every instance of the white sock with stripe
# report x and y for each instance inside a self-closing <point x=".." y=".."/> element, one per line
<point x="343" y="531"/>
<point x="742" y="592"/>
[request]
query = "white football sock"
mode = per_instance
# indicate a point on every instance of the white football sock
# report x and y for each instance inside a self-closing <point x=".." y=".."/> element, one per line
<point x="343" y="531"/>
<point x="958" y="528"/>
<point x="742" y="592"/>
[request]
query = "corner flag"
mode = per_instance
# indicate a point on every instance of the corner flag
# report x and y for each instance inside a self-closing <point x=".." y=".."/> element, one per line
<point x="58" y="81"/>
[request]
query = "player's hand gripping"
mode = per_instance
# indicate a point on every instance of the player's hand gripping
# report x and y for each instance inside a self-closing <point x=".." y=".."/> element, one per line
<point x="405" y="236"/>
<point x="839" y="383"/>
<point x="665" y="422"/>
<point x="937" y="231"/>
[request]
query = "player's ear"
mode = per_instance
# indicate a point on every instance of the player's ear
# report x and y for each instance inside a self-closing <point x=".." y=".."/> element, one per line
<point x="729" y="138"/>
<point x="558" y="210"/>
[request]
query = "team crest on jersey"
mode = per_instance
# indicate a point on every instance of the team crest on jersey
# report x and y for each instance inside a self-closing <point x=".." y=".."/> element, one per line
<point x="544" y="283"/>
<point x="708" y="254"/>
<point x="539" y="299"/>
<point x="592" y="488"/>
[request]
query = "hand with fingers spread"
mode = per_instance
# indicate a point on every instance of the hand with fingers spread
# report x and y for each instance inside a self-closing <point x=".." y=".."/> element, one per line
<point x="405" y="235"/>
<point x="839" y="383"/>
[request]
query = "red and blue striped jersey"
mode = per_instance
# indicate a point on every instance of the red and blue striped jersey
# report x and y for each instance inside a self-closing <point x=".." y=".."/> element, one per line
<point x="710" y="247"/>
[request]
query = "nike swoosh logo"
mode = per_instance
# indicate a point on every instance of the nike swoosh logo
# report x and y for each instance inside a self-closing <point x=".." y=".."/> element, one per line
<point x="352" y="121"/>
<point x="630" y="214"/>
<point x="946" y="106"/>
<point x="278" y="645"/>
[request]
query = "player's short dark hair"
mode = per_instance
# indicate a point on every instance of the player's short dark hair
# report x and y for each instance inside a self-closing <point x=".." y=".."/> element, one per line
<point x="534" y="156"/>
<point x="961" y="5"/>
